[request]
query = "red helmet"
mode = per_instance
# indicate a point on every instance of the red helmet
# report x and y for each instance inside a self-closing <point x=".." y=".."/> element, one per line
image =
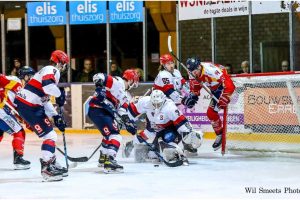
<point x="164" y="59"/>
<point x="59" y="56"/>
<point x="131" y="74"/>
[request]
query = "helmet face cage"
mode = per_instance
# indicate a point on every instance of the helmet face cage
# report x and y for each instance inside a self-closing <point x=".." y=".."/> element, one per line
<point x="98" y="80"/>
<point x="192" y="63"/>
<point x="157" y="99"/>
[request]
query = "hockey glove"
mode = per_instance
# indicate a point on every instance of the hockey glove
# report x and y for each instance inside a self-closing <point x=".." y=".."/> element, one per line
<point x="129" y="124"/>
<point x="59" y="123"/>
<point x="190" y="100"/>
<point x="223" y="101"/>
<point x="60" y="101"/>
<point x="100" y="93"/>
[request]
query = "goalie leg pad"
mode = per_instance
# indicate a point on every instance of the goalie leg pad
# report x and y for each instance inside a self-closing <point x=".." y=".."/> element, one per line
<point x="194" y="139"/>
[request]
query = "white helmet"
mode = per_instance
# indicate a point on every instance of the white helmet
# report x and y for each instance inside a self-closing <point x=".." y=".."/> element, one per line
<point x="157" y="98"/>
<point x="98" y="79"/>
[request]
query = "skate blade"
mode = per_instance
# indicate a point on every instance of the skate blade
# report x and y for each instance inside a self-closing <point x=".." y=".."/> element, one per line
<point x="47" y="178"/>
<point x="185" y="163"/>
<point x="217" y="148"/>
<point x="21" y="167"/>
<point x="113" y="171"/>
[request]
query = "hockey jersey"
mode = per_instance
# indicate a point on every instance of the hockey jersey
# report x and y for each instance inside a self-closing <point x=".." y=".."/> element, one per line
<point x="8" y="85"/>
<point x="39" y="88"/>
<point x="170" y="84"/>
<point x="115" y="95"/>
<point x="167" y="117"/>
<point x="213" y="76"/>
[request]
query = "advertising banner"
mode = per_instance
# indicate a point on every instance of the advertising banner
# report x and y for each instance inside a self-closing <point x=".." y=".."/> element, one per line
<point x="125" y="11"/>
<point x="88" y="12"/>
<point x="46" y="13"/>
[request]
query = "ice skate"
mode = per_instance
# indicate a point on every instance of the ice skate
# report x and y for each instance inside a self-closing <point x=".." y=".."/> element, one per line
<point x="101" y="159"/>
<point x="111" y="166"/>
<point x="49" y="171"/>
<point x="217" y="144"/>
<point x="20" y="163"/>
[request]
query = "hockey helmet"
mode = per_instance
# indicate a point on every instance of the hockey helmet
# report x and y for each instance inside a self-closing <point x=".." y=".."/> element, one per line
<point x="61" y="59"/>
<point x="26" y="71"/>
<point x="98" y="79"/>
<point x="131" y="75"/>
<point x="164" y="59"/>
<point x="157" y="98"/>
<point x="193" y="63"/>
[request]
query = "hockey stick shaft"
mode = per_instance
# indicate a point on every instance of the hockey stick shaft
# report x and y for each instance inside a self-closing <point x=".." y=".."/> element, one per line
<point x="64" y="137"/>
<point x="77" y="159"/>
<point x="183" y="65"/>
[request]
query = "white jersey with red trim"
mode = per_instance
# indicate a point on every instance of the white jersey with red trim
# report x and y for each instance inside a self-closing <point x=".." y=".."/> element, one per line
<point x="39" y="89"/>
<point x="170" y="84"/>
<point x="115" y="93"/>
<point x="168" y="116"/>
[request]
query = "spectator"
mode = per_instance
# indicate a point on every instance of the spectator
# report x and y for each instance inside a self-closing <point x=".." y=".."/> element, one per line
<point x="17" y="66"/>
<point x="228" y="68"/>
<point x="140" y="73"/>
<point x="245" y="67"/>
<point x="86" y="75"/>
<point x="115" y="70"/>
<point x="285" y="66"/>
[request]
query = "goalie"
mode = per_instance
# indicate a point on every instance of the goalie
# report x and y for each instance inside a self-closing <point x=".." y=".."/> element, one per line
<point x="166" y="128"/>
<point x="215" y="77"/>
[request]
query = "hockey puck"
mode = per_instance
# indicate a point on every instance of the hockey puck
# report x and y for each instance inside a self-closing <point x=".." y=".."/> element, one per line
<point x="156" y="165"/>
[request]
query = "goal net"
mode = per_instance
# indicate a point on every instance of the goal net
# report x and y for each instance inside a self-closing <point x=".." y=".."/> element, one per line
<point x="264" y="113"/>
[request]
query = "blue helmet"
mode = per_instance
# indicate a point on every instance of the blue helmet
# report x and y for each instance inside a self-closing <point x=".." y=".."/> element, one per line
<point x="193" y="63"/>
<point x="26" y="70"/>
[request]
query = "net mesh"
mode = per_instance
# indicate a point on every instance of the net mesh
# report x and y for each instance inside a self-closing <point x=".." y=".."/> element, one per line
<point x="264" y="114"/>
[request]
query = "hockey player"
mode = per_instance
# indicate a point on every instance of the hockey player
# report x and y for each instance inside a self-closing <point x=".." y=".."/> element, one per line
<point x="109" y="99"/>
<point x="10" y="85"/>
<point x="167" y="123"/>
<point x="215" y="77"/>
<point x="25" y="74"/>
<point x="35" y="108"/>
<point x="170" y="81"/>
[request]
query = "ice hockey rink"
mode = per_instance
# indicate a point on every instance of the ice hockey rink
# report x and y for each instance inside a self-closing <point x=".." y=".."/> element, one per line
<point x="210" y="176"/>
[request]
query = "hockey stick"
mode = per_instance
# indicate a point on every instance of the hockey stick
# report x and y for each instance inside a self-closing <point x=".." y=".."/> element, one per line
<point x="64" y="137"/>
<point x="183" y="65"/>
<point x="169" y="164"/>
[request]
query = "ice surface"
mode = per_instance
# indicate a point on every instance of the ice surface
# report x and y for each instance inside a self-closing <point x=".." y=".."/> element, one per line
<point x="210" y="176"/>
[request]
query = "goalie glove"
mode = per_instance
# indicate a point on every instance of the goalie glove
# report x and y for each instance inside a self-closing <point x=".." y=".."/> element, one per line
<point x="223" y="101"/>
<point x="190" y="100"/>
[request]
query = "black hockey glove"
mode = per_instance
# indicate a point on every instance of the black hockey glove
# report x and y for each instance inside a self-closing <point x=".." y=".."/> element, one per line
<point x="60" y="101"/>
<point x="59" y="122"/>
<point x="190" y="100"/>
<point x="129" y="124"/>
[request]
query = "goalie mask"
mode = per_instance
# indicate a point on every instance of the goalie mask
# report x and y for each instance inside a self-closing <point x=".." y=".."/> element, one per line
<point x="157" y="99"/>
